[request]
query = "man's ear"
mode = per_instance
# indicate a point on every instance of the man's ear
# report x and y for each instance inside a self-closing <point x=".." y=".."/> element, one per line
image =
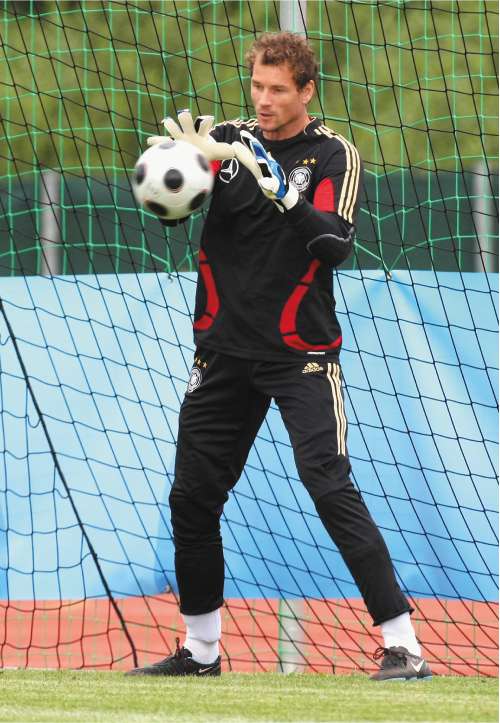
<point x="308" y="91"/>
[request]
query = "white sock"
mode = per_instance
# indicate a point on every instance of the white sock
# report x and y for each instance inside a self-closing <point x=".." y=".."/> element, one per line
<point x="203" y="633"/>
<point x="399" y="632"/>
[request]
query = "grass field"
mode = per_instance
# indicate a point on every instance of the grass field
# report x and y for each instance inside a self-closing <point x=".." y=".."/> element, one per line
<point x="90" y="696"/>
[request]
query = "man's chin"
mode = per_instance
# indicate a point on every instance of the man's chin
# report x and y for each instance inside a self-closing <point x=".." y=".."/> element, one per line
<point x="267" y="122"/>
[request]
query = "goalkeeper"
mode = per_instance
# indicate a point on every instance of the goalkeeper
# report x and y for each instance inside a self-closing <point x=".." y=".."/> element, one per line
<point x="282" y="215"/>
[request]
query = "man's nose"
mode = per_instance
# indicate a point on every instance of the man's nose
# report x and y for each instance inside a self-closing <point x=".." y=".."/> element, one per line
<point x="265" y="98"/>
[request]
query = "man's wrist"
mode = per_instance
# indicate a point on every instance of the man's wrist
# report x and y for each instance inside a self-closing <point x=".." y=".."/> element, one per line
<point x="291" y="198"/>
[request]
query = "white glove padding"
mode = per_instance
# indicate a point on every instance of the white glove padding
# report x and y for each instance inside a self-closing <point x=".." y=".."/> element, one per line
<point x="247" y="159"/>
<point x="198" y="136"/>
<point x="268" y="172"/>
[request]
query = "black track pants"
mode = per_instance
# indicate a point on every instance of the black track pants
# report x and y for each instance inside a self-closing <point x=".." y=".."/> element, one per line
<point x="224" y="407"/>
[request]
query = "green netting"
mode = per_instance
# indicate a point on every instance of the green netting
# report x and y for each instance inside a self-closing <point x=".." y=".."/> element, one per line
<point x="413" y="84"/>
<point x="93" y="368"/>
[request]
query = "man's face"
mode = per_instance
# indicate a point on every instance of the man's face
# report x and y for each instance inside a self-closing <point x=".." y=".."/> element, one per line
<point x="280" y="106"/>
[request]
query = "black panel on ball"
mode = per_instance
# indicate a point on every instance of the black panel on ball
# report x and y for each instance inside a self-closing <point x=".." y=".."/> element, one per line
<point x="140" y="172"/>
<point x="169" y="143"/>
<point x="156" y="208"/>
<point x="173" y="179"/>
<point x="203" y="162"/>
<point x="197" y="200"/>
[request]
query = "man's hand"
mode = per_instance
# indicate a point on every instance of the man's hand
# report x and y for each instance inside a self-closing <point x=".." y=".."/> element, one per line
<point x="268" y="172"/>
<point x="196" y="133"/>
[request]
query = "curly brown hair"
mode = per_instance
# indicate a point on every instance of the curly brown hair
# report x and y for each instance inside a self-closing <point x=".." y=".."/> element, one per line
<point x="285" y="47"/>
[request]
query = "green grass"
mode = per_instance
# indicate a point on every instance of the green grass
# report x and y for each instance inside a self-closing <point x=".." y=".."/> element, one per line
<point x="89" y="696"/>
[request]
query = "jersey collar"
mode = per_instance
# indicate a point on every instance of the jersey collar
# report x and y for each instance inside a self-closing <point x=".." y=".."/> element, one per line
<point x="312" y="125"/>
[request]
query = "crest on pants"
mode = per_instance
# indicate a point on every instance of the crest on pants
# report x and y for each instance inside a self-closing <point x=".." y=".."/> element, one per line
<point x="194" y="380"/>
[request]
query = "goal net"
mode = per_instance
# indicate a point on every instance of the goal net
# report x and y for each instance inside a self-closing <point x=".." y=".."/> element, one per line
<point x="96" y="341"/>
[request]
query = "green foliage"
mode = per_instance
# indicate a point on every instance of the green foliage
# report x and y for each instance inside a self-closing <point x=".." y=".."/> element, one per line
<point x="83" y="84"/>
<point x="412" y="83"/>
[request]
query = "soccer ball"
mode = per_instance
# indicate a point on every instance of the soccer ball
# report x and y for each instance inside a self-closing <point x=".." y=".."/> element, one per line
<point x="172" y="179"/>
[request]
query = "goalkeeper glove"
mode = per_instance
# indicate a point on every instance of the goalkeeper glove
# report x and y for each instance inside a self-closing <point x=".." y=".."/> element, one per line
<point x="196" y="133"/>
<point x="268" y="172"/>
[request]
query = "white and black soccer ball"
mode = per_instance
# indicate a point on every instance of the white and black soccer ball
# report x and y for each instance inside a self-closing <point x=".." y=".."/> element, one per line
<point x="172" y="179"/>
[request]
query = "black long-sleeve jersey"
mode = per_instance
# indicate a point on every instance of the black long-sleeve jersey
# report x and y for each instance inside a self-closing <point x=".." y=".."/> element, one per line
<point x="265" y="284"/>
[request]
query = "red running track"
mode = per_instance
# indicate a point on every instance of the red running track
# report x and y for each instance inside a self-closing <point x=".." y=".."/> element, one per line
<point x="458" y="637"/>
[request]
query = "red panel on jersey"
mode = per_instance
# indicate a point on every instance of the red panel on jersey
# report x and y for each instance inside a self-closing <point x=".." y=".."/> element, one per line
<point x="296" y="342"/>
<point x="215" y="166"/>
<point x="324" y="196"/>
<point x="288" y="321"/>
<point x="207" y="319"/>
